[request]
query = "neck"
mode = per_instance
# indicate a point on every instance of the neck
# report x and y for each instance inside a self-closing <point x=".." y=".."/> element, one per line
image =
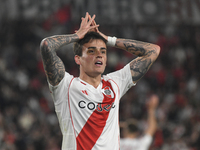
<point x="94" y="81"/>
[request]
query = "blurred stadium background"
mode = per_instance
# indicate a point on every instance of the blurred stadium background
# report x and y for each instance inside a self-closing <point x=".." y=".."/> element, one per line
<point x="27" y="117"/>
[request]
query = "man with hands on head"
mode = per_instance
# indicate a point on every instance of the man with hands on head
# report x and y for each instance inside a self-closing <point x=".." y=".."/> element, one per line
<point x="87" y="106"/>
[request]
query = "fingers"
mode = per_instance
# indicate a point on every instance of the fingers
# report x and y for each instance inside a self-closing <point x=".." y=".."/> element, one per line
<point x="86" y="17"/>
<point x="94" y="27"/>
<point x="87" y="24"/>
<point x="91" y="20"/>
<point x="94" y="24"/>
<point x="84" y="20"/>
<point x="88" y="20"/>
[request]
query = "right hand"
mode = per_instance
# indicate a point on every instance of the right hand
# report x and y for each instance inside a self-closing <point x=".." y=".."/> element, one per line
<point x="86" y="25"/>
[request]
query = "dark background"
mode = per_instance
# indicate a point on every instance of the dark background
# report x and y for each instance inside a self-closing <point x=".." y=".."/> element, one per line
<point x="27" y="117"/>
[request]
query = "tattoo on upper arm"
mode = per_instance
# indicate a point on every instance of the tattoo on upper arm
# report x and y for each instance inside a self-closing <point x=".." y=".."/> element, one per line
<point x="53" y="65"/>
<point x="147" y="53"/>
<point x="139" y="67"/>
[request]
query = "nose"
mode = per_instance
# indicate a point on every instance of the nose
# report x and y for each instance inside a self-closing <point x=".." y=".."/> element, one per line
<point x="99" y="56"/>
<point x="98" y="53"/>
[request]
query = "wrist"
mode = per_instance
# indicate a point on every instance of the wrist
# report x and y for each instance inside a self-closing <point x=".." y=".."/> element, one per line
<point x="78" y="35"/>
<point x="111" y="41"/>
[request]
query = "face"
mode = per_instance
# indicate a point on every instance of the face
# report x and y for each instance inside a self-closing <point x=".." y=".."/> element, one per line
<point x="93" y="59"/>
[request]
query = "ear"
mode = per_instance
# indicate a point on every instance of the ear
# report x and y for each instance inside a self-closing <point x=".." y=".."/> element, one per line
<point x="77" y="59"/>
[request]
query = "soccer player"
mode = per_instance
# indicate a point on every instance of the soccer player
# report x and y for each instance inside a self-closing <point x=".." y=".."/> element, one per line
<point x="131" y="139"/>
<point x="87" y="106"/>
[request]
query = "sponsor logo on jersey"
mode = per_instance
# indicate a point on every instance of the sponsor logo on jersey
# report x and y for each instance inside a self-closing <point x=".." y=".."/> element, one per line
<point x="108" y="92"/>
<point x="99" y="107"/>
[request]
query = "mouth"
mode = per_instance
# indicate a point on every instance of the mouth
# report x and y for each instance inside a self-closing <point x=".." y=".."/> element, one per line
<point x="98" y="63"/>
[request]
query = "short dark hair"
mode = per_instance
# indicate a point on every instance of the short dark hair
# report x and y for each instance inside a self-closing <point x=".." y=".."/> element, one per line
<point x="132" y="125"/>
<point x="132" y="128"/>
<point x="88" y="36"/>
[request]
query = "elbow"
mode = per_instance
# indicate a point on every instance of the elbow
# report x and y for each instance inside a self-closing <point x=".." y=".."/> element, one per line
<point x="157" y="49"/>
<point x="44" y="44"/>
<point x="154" y="51"/>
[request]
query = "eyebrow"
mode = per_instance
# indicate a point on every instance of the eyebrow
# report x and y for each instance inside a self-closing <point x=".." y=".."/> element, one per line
<point x="92" y="47"/>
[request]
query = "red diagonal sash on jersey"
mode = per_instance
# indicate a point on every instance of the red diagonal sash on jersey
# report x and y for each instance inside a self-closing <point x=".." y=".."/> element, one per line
<point x="95" y="124"/>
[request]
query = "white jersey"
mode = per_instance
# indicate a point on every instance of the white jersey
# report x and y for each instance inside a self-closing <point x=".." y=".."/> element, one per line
<point x="142" y="143"/>
<point x="88" y="116"/>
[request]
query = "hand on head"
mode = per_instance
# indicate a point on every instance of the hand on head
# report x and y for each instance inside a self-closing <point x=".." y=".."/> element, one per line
<point x="93" y="24"/>
<point x="87" y="24"/>
<point x="97" y="29"/>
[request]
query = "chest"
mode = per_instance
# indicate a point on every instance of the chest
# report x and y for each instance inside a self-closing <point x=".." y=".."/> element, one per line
<point x="85" y="97"/>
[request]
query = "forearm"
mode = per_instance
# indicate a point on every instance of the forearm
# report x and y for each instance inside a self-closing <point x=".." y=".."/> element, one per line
<point x="54" y="43"/>
<point x="152" y="123"/>
<point x="147" y="53"/>
<point x="53" y="65"/>
<point x="138" y="48"/>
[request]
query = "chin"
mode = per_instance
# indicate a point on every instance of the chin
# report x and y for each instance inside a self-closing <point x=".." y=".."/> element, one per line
<point x="100" y="71"/>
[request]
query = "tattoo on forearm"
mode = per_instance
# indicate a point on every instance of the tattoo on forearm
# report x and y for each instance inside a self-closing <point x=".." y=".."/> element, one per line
<point x="139" y="67"/>
<point x="53" y="65"/>
<point x="136" y="47"/>
<point x="147" y="53"/>
<point x="54" y="43"/>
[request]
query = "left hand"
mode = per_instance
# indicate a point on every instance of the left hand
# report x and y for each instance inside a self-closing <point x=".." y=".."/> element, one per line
<point x="97" y="30"/>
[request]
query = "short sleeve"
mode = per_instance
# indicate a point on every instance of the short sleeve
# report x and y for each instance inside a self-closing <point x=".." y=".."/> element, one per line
<point x="123" y="79"/>
<point x="142" y="143"/>
<point x="145" y="141"/>
<point x="59" y="92"/>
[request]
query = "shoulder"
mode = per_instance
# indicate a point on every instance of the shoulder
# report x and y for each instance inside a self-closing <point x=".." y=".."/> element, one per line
<point x="145" y="139"/>
<point x="121" y="73"/>
<point x="64" y="82"/>
<point x="122" y="76"/>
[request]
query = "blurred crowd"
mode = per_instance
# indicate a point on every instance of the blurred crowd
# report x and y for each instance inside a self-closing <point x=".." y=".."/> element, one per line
<point x="27" y="117"/>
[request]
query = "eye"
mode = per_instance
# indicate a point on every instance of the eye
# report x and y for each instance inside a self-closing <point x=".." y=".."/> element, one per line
<point x="90" y="51"/>
<point x="103" y="51"/>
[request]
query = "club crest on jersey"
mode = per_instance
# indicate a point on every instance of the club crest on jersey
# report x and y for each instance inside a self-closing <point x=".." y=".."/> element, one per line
<point x="108" y="92"/>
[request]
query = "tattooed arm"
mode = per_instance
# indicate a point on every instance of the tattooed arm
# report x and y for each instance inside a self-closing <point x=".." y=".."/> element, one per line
<point x="53" y="65"/>
<point x="146" y="52"/>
